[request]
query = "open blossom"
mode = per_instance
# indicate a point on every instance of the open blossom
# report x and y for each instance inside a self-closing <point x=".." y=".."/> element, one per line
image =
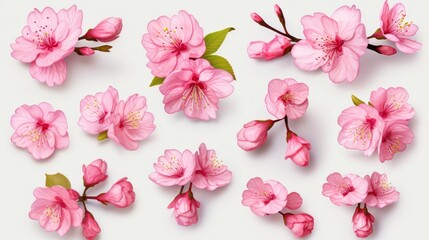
<point x="210" y="173"/>
<point x="277" y="47"/>
<point x="55" y="209"/>
<point x="40" y="129"/>
<point x="333" y="44"/>
<point x="185" y="209"/>
<point x="120" y="195"/>
<point x="361" y="128"/>
<point x="395" y="138"/>
<point x="362" y="222"/>
<point x="253" y="134"/>
<point x="90" y="228"/>
<point x="196" y="89"/>
<point x="348" y="190"/>
<point x="169" y="41"/>
<point x="286" y="97"/>
<point x="395" y="28"/>
<point x="264" y="198"/>
<point x="392" y="104"/>
<point x="46" y="40"/>
<point x="94" y="173"/>
<point x="380" y="192"/>
<point x="132" y="122"/>
<point x="174" y="168"/>
<point x="106" y="31"/>
<point x="97" y="111"/>
<point x="298" y="150"/>
<point x="301" y="224"/>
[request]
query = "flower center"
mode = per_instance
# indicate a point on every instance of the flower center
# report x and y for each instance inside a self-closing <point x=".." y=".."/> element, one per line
<point x="47" y="42"/>
<point x="173" y="167"/>
<point x="346" y="189"/>
<point x="399" y="25"/>
<point x="194" y="95"/>
<point x="267" y="197"/>
<point x="60" y="202"/>
<point x="42" y="125"/>
<point x="131" y="120"/>
<point x="171" y="39"/>
<point x="288" y="97"/>
<point x="339" y="42"/>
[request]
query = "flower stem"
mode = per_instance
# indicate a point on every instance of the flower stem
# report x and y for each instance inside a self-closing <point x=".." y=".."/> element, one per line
<point x="287" y="124"/>
<point x="91" y="197"/>
<point x="181" y="189"/>
<point x="190" y="187"/>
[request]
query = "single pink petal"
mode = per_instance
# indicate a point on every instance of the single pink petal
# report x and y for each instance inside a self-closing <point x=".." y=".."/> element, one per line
<point x="408" y="46"/>
<point x="52" y="75"/>
<point x="294" y="201"/>
<point x="306" y="57"/>
<point x="346" y="67"/>
<point x="348" y="18"/>
<point x="255" y="49"/>
<point x="24" y="50"/>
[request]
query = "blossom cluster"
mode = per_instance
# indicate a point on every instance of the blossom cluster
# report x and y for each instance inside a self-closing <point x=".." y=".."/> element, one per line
<point x="373" y="191"/>
<point x="202" y="169"/>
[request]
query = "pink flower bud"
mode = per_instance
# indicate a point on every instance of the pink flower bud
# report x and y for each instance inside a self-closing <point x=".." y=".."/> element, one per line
<point x="106" y="31"/>
<point x="185" y="209"/>
<point x="85" y="51"/>
<point x="90" y="228"/>
<point x="278" y="11"/>
<point x="94" y="173"/>
<point x="256" y="18"/>
<point x="300" y="224"/>
<point x="277" y="47"/>
<point x="298" y="149"/>
<point x="386" y="50"/>
<point x="362" y="222"/>
<point x="120" y="195"/>
<point x="253" y="134"/>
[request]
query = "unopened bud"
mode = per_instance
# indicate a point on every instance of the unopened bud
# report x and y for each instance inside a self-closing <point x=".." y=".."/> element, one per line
<point x="386" y="50"/>
<point x="84" y="51"/>
<point x="257" y="18"/>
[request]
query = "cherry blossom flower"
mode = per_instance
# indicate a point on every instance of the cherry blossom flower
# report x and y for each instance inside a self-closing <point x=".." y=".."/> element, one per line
<point x="294" y="201"/>
<point x="90" y="227"/>
<point x="174" y="168"/>
<point x="185" y="209"/>
<point x="46" y="40"/>
<point x="395" y="28"/>
<point x="106" y="31"/>
<point x="395" y="138"/>
<point x="286" y="97"/>
<point x="348" y="190"/>
<point x="277" y="47"/>
<point x="97" y="112"/>
<point x="253" y="134"/>
<point x="40" y="129"/>
<point x="392" y="104"/>
<point x="196" y="89"/>
<point x="94" y="173"/>
<point x="210" y="173"/>
<point x="264" y="198"/>
<point x="333" y="44"/>
<point x="380" y="192"/>
<point x="132" y="122"/>
<point x="169" y="41"/>
<point x="298" y="150"/>
<point x="55" y="209"/>
<point x="301" y="224"/>
<point x="120" y="195"/>
<point x="362" y="128"/>
<point x="362" y="222"/>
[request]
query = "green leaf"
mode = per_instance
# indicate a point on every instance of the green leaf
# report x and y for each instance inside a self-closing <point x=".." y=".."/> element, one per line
<point x="103" y="135"/>
<point x="156" y="81"/>
<point x="356" y="101"/>
<point x="220" y="63"/>
<point x="57" y="179"/>
<point x="215" y="39"/>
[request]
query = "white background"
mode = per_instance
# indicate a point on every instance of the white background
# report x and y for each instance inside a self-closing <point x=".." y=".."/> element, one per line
<point x="221" y="213"/>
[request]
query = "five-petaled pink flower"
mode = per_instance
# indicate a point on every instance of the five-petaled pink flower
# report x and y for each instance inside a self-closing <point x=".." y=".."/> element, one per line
<point x="106" y="31"/>
<point x="174" y="168"/>
<point x="90" y="227"/>
<point x="40" y="129"/>
<point x="264" y="198"/>
<point x="362" y="222"/>
<point x="196" y="89"/>
<point x="132" y="122"/>
<point x="185" y="209"/>
<point x="253" y="134"/>
<point x="392" y="104"/>
<point x="120" y="195"/>
<point x="301" y="224"/>
<point x="277" y="47"/>
<point x="94" y="173"/>
<point x="298" y="150"/>
<point x="286" y="97"/>
<point x="395" y="28"/>
<point x="348" y="190"/>
<point x="46" y="40"/>
<point x="97" y="111"/>
<point x="56" y="209"/>
<point x="169" y="41"/>
<point x="334" y="44"/>
<point x="210" y="173"/>
<point x="362" y="128"/>
<point x="380" y="192"/>
<point x="395" y="138"/>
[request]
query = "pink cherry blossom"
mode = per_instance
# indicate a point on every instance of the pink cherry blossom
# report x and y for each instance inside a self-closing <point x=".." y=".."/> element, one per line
<point x="286" y="97"/>
<point x="392" y="104"/>
<point x="40" y="129"/>
<point x="169" y="41"/>
<point x="132" y="122"/>
<point x="55" y="209"/>
<point x="380" y="192"/>
<point x="106" y="31"/>
<point x="395" y="138"/>
<point x="277" y="47"/>
<point x="196" y="89"/>
<point x="94" y="173"/>
<point x="174" y="168"/>
<point x="298" y="150"/>
<point x="253" y="134"/>
<point x="396" y="29"/>
<point x="264" y="198"/>
<point x="348" y="190"/>
<point x="361" y="128"/>
<point x="362" y="222"/>
<point x="90" y="228"/>
<point x="294" y="201"/>
<point x="185" y="209"/>
<point x="210" y="173"/>
<point x="301" y="224"/>
<point x="97" y="112"/>
<point x="46" y="40"/>
<point x="333" y="44"/>
<point x="120" y="195"/>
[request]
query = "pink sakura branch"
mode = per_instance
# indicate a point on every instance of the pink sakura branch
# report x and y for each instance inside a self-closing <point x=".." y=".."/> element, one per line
<point x="336" y="43"/>
<point x="49" y="37"/>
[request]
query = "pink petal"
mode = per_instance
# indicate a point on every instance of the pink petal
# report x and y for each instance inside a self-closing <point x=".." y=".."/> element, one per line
<point x="346" y="67"/>
<point x="408" y="46"/>
<point x="348" y="19"/>
<point x="306" y="57"/>
<point x="254" y="50"/>
<point x="294" y="201"/>
<point x="359" y="42"/>
<point x="52" y="75"/>
<point x="24" y="50"/>
<point x="65" y="222"/>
